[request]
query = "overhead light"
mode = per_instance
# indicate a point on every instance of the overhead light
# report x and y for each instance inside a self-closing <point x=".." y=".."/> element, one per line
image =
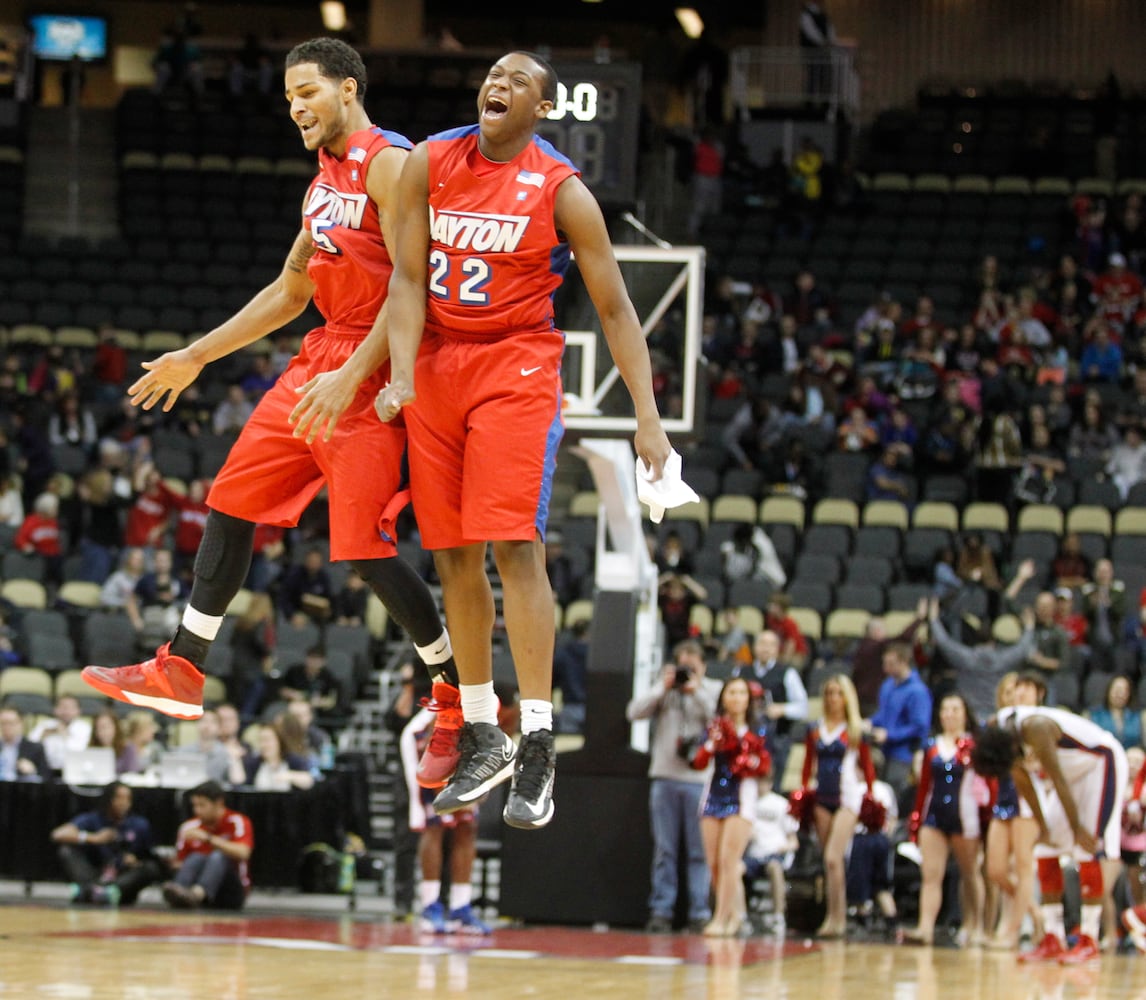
<point x="333" y="15"/>
<point x="690" y="21"/>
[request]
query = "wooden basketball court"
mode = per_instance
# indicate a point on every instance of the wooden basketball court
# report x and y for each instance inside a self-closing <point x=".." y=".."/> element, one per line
<point x="152" y="954"/>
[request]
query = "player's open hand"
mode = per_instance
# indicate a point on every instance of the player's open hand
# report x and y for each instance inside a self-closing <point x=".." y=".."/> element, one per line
<point x="324" y="399"/>
<point x="166" y="376"/>
<point x="652" y="445"/>
<point x="394" y="395"/>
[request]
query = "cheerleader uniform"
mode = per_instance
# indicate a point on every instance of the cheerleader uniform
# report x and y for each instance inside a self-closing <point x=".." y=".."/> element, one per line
<point x="946" y="799"/>
<point x="837" y="767"/>
<point x="732" y="789"/>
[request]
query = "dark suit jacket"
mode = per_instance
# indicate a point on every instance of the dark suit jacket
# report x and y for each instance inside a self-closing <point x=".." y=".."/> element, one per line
<point x="30" y="750"/>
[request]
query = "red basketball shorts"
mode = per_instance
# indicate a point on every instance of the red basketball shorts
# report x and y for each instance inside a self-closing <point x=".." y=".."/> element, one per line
<point x="271" y="476"/>
<point x="484" y="432"/>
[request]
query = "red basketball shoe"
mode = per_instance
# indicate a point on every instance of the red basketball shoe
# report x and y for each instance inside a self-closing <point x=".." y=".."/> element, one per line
<point x="1085" y="950"/>
<point x="1049" y="949"/>
<point x="1134" y="920"/>
<point x="169" y="684"/>
<point x="440" y="758"/>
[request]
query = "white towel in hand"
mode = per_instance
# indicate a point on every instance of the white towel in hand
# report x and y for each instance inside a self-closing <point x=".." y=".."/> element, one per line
<point x="668" y="491"/>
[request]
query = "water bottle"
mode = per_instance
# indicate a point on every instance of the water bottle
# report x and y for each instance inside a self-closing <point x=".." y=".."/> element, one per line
<point x="346" y="874"/>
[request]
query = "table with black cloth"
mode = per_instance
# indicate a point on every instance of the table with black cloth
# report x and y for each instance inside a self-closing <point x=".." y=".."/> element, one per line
<point x="284" y="822"/>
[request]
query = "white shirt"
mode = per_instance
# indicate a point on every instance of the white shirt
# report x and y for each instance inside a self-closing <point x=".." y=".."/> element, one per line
<point x="56" y="744"/>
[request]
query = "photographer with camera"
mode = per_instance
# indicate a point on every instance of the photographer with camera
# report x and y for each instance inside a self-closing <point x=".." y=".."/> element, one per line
<point x="680" y="706"/>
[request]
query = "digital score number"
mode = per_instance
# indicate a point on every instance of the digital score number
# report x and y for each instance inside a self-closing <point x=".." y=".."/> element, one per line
<point x="594" y="122"/>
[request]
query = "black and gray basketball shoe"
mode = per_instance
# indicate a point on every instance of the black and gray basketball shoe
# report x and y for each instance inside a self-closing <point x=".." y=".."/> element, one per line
<point x="485" y="760"/>
<point x="530" y="802"/>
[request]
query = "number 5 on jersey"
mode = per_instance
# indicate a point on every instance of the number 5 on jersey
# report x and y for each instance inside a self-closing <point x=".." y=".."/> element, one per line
<point x="471" y="284"/>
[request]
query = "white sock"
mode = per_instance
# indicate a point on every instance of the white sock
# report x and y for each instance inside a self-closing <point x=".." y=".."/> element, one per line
<point x="461" y="895"/>
<point x="204" y="626"/>
<point x="1090" y="919"/>
<point x="535" y="715"/>
<point x="430" y="891"/>
<point x="479" y="703"/>
<point x="1053" y="921"/>
<point x="437" y="651"/>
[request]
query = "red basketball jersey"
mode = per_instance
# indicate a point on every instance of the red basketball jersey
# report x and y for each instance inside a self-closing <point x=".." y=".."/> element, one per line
<point x="351" y="269"/>
<point x="495" y="255"/>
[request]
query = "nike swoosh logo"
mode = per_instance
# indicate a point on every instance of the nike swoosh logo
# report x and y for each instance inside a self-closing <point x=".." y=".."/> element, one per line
<point x="530" y="371"/>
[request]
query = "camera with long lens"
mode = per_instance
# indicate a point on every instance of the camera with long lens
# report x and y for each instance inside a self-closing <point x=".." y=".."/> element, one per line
<point x="682" y="676"/>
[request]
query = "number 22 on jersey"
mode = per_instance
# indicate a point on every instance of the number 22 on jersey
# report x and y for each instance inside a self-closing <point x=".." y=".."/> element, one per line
<point x="468" y="288"/>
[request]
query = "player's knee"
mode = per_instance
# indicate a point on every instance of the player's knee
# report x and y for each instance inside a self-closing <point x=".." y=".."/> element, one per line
<point x="522" y="560"/>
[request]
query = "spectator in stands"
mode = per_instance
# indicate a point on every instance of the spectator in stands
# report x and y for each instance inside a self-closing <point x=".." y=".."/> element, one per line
<point x="349" y="604"/>
<point x="750" y="555"/>
<point x="1071" y="622"/>
<point x="807" y="303"/>
<point x="679" y="705"/>
<point x="217" y="758"/>
<point x="707" y="179"/>
<point x="1102" y="358"/>
<point x="270" y="768"/>
<point x="979" y="668"/>
<point x="141" y="748"/>
<point x="178" y="64"/>
<point x="252" y="648"/>
<point x="898" y="432"/>
<point x="672" y="556"/>
<point x="1093" y="438"/>
<point x="317" y="745"/>
<point x="212" y="850"/>
<point x="867" y="660"/>
<point x="21" y="758"/>
<point x="259" y="378"/>
<point x="233" y="411"/>
<point x="66" y="730"/>
<point x="39" y="534"/>
<point x="100" y="531"/>
<point x="109" y="365"/>
<point x="72" y="424"/>
<point x="229" y="723"/>
<point x="306" y="591"/>
<point x="1071" y="567"/>
<point x="154" y="606"/>
<point x="148" y="516"/>
<point x="107" y="732"/>
<point x="267" y="555"/>
<point x="311" y="681"/>
<point x="1104" y="606"/>
<point x="885" y="480"/>
<point x="975" y="566"/>
<point x="902" y="719"/>
<point x="785" y="697"/>
<point x="796" y="473"/>
<point x="250" y="69"/>
<point x="1000" y="456"/>
<point x="677" y="594"/>
<point x="1051" y="655"/>
<point x="1127" y="464"/>
<point x="794" y="649"/>
<point x="857" y="433"/>
<point x="1117" y="714"/>
<point x="106" y="852"/>
<point x="570" y="675"/>
<point x="1126" y="285"/>
<point x="1041" y="462"/>
<point x="753" y="434"/>
<point x="11" y="502"/>
<point x="120" y="586"/>
<point x="190" y="524"/>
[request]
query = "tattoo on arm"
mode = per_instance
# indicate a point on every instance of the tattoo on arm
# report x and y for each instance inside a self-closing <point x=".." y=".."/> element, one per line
<point x="299" y="255"/>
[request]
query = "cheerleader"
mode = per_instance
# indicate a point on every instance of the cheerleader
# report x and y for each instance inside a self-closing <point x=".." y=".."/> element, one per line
<point x="946" y="820"/>
<point x="835" y="751"/>
<point x="735" y="745"/>
<point x="1012" y="832"/>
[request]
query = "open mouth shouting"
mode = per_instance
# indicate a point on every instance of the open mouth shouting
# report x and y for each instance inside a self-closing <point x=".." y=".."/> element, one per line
<point x="308" y="127"/>
<point x="494" y="109"/>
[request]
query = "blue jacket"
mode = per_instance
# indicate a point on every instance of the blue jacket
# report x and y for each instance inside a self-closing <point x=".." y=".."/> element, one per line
<point x="905" y="712"/>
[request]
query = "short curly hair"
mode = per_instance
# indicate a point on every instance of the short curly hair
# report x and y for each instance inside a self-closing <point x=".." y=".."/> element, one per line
<point x="334" y="58"/>
<point x="995" y="752"/>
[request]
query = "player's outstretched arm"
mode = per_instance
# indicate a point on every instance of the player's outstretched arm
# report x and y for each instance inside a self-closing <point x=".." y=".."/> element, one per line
<point x="326" y="396"/>
<point x="579" y="217"/>
<point x="275" y="305"/>
<point x="407" y="300"/>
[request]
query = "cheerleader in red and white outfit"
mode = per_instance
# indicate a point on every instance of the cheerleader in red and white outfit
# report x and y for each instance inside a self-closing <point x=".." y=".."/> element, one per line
<point x="735" y="745"/>
<point x="946" y="820"/>
<point x="835" y="750"/>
